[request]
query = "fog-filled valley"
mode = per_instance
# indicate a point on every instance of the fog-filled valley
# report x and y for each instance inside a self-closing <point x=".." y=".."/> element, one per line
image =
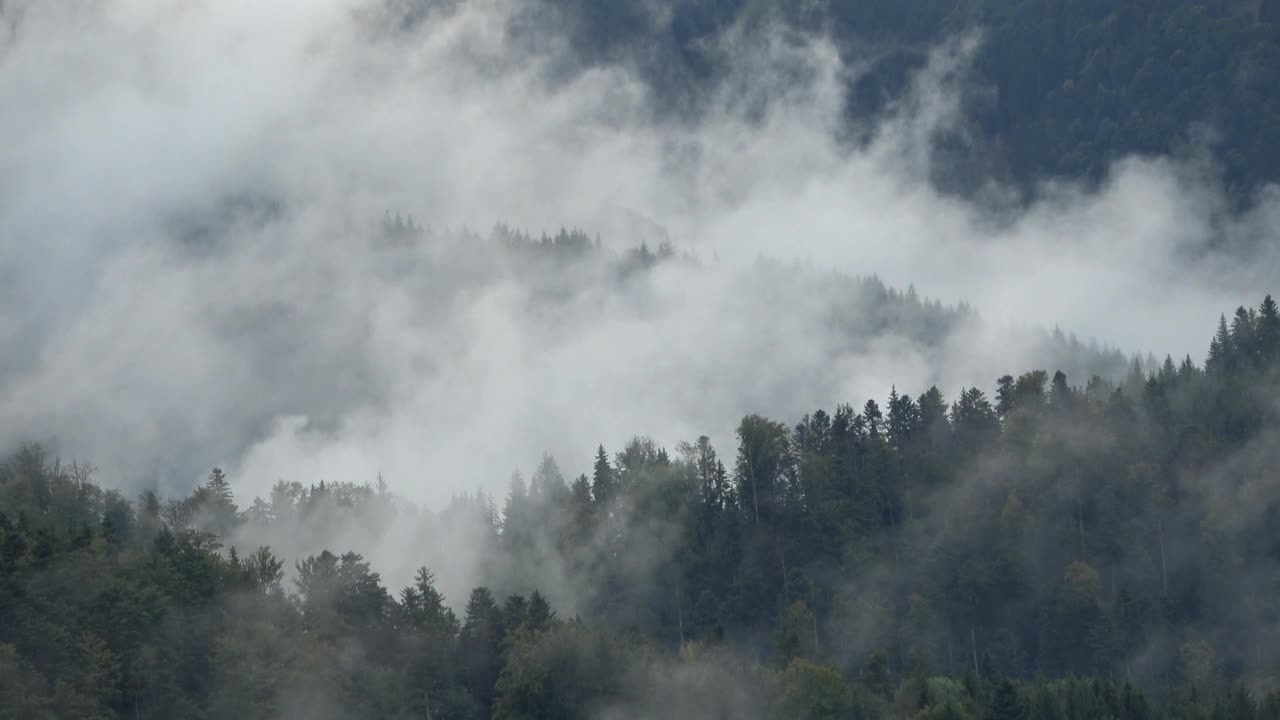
<point x="649" y="359"/>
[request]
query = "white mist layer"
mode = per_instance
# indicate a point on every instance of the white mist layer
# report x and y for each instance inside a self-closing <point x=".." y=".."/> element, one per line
<point x="156" y="322"/>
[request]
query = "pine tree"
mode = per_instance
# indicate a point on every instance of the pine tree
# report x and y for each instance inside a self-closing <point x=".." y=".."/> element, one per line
<point x="763" y="457"/>
<point x="872" y="415"/>
<point x="547" y="484"/>
<point x="933" y="408"/>
<point x="602" y="481"/>
<point x="518" y="517"/>
<point x="219" y="488"/>
<point x="1061" y="397"/>
<point x="877" y="677"/>
<point x="481" y="645"/>
<point x="1244" y="337"/>
<point x="1007" y="704"/>
<point x="1187" y="369"/>
<point x="213" y="505"/>
<point x="539" y="615"/>
<point x="710" y="473"/>
<point x="974" y="420"/>
<point x="1029" y="390"/>
<point x="1268" y="329"/>
<point x="1136" y="379"/>
<point x="1005" y="399"/>
<point x="904" y="419"/>
<point x="515" y="613"/>
<point x="428" y="610"/>
<point x="1221" y="349"/>
<point x="581" y="512"/>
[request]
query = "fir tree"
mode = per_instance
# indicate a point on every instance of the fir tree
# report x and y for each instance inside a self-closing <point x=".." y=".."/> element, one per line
<point x="602" y="480"/>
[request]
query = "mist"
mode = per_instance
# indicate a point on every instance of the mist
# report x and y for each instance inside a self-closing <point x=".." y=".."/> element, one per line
<point x="516" y="361"/>
<point x="191" y="272"/>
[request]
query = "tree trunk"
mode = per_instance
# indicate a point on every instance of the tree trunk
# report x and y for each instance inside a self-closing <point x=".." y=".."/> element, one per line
<point x="973" y="638"/>
<point x="1164" y="565"/>
<point x="1080" y="521"/>
<point x="680" y="616"/>
<point x="755" y="497"/>
<point x="782" y="560"/>
<point x="813" y="609"/>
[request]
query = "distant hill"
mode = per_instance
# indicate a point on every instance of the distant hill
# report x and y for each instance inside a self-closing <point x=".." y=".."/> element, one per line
<point x="1077" y="83"/>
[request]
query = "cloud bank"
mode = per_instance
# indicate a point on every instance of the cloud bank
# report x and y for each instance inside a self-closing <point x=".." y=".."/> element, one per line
<point x="192" y="272"/>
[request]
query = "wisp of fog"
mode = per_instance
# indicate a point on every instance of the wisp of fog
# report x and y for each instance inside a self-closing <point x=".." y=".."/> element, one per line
<point x="193" y="272"/>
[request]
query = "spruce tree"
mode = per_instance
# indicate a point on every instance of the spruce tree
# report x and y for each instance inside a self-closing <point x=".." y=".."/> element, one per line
<point x="1243" y="336"/>
<point x="1004" y="395"/>
<point x="1006" y="704"/>
<point x="481" y="645"/>
<point x="1268" y="329"/>
<point x="602" y="481"/>
<point x="1221" y="349"/>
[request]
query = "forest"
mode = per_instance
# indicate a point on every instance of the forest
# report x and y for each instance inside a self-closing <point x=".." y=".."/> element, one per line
<point x="1052" y="550"/>
<point x="1062" y="88"/>
<point x="795" y="490"/>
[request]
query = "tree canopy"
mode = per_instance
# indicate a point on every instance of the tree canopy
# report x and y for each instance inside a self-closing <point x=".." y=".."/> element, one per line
<point x="1104" y="550"/>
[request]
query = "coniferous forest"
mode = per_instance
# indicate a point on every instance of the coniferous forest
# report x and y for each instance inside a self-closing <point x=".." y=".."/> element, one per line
<point x="799" y="489"/>
<point x="1070" y="86"/>
<point x="1052" y="549"/>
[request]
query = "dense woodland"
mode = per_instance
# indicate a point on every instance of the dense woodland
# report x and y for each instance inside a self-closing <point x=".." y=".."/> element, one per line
<point x="1061" y="88"/>
<point x="1049" y="551"/>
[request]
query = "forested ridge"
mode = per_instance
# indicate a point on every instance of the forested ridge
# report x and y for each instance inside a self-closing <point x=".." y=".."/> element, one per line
<point x="1061" y="88"/>
<point x="1050" y="551"/>
<point x="264" y="456"/>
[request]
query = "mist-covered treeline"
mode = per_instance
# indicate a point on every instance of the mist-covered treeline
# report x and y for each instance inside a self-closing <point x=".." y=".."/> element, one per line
<point x="208" y="248"/>
<point x="707" y="517"/>
<point x="1050" y="551"/>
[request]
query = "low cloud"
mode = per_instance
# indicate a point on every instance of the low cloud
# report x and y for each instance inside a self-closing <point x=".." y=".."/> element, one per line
<point x="193" y="271"/>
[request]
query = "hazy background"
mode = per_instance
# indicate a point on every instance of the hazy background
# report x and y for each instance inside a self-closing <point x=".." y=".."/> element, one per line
<point x="191" y="272"/>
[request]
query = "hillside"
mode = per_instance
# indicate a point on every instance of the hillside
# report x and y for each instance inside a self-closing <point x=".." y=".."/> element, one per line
<point x="924" y="558"/>
<point x="1059" y="88"/>
<point x="829" y="360"/>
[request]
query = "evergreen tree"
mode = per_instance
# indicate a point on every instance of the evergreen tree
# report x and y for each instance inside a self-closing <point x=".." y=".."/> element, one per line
<point x="872" y="416"/>
<point x="904" y="419"/>
<point x="1244" y="336"/>
<point x="602" y="480"/>
<point x="1221" y="350"/>
<point x="762" y="464"/>
<point x="539" y="616"/>
<point x="547" y="485"/>
<point x="117" y="609"/>
<point x="1061" y="397"/>
<point x="1268" y="329"/>
<point x="517" y="514"/>
<point x="1005" y="396"/>
<point x="481" y="646"/>
<point x="710" y="472"/>
<point x="1007" y="704"/>
<point x="581" y="512"/>
<point x="974" y="420"/>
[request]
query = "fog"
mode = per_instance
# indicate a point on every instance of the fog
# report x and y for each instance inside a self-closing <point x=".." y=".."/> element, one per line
<point x="190" y="272"/>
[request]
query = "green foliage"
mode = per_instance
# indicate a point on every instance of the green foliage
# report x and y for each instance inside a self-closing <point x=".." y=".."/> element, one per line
<point x="809" y="691"/>
<point x="566" y="672"/>
<point x="925" y="560"/>
<point x="24" y="693"/>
